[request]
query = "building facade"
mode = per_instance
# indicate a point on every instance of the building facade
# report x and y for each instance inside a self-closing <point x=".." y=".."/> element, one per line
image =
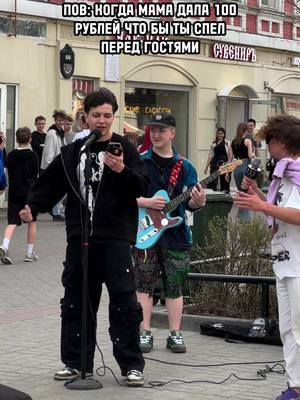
<point x="251" y="72"/>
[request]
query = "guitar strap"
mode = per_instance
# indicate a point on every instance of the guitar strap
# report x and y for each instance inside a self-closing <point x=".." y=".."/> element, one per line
<point x="174" y="176"/>
<point x="172" y="183"/>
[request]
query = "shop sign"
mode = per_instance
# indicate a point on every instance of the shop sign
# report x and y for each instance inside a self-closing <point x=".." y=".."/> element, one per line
<point x="67" y="61"/>
<point x="296" y="61"/>
<point x="292" y="103"/>
<point x="147" y="109"/>
<point x="233" y="52"/>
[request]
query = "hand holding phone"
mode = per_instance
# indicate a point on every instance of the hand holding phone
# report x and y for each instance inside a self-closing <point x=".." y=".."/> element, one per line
<point x="113" y="157"/>
<point x="115" y="148"/>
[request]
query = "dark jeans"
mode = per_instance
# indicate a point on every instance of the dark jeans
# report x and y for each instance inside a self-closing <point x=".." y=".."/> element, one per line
<point x="224" y="185"/>
<point x="109" y="263"/>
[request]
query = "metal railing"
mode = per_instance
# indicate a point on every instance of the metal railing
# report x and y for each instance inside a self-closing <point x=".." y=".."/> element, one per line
<point x="265" y="281"/>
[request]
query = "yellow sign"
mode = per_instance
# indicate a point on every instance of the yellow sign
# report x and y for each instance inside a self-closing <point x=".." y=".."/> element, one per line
<point x="134" y="109"/>
<point x="147" y="109"/>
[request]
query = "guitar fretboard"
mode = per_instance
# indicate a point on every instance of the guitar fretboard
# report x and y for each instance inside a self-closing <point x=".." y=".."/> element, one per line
<point x="173" y="204"/>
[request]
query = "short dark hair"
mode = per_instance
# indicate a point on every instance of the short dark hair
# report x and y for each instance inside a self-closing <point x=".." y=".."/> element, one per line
<point x="59" y="113"/>
<point x="221" y="129"/>
<point x="69" y="118"/>
<point x="98" y="98"/>
<point x="23" y="135"/>
<point x="252" y="120"/>
<point x="39" y="118"/>
<point x="285" y="129"/>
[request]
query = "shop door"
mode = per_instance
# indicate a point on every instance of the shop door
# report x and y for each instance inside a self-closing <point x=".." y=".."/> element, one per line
<point x="3" y="108"/>
<point x="236" y="113"/>
<point x="232" y="111"/>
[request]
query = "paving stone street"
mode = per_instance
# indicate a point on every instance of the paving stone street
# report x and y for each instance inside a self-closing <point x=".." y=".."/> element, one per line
<point x="30" y="340"/>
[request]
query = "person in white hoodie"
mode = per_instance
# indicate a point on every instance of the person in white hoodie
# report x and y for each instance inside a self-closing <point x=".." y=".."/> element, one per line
<point x="55" y="140"/>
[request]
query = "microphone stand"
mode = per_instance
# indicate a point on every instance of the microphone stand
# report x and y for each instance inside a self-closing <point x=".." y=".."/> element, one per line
<point x="84" y="383"/>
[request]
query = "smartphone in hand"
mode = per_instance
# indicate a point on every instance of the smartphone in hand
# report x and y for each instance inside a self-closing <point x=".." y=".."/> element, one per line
<point x="115" y="148"/>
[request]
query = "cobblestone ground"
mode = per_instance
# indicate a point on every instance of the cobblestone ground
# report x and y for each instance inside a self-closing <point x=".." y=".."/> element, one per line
<point x="30" y="331"/>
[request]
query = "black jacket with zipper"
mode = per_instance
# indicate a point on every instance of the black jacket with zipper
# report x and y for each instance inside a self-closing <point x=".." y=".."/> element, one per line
<point x="115" y="213"/>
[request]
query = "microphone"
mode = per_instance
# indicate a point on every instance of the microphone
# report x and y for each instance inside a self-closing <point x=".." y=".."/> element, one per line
<point x="94" y="135"/>
<point x="252" y="171"/>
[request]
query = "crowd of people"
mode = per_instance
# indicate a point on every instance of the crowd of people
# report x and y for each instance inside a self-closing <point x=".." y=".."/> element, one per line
<point x="244" y="146"/>
<point x="49" y="166"/>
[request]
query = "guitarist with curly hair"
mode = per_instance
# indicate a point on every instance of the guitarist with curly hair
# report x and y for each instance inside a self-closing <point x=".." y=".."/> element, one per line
<point x="170" y="176"/>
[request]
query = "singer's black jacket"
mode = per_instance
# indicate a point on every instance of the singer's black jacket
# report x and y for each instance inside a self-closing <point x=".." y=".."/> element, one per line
<point x="115" y="212"/>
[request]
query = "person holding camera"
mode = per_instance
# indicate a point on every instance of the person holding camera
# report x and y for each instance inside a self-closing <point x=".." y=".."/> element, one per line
<point x="117" y="180"/>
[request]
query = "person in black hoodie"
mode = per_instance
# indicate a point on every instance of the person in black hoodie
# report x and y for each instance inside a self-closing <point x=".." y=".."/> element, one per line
<point x="115" y="184"/>
<point x="38" y="137"/>
<point x="23" y="168"/>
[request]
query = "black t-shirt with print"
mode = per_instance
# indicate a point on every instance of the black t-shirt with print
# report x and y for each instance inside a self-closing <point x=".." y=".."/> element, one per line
<point x="97" y="152"/>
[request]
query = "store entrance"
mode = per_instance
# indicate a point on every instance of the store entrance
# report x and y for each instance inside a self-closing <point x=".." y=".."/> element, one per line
<point x="233" y="106"/>
<point x="237" y="111"/>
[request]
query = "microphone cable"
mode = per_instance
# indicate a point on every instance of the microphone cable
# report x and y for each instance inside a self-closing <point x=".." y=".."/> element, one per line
<point x="101" y="371"/>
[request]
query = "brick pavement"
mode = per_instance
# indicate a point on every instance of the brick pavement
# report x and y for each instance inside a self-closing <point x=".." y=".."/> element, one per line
<point x="30" y="331"/>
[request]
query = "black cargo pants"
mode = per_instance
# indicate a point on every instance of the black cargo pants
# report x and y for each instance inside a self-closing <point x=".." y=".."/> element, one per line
<point x="109" y="263"/>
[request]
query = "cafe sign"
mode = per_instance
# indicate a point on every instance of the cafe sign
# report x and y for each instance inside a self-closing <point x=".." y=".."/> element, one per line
<point x="233" y="52"/>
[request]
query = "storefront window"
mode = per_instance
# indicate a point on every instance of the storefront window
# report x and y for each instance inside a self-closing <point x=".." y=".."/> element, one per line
<point x="8" y="114"/>
<point x="142" y="103"/>
<point x="291" y="105"/>
<point x="81" y="87"/>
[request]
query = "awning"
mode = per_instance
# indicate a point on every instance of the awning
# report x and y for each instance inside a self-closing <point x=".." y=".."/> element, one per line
<point x="249" y="92"/>
<point x="130" y="128"/>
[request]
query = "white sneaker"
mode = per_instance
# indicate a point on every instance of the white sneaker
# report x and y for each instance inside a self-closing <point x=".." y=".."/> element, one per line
<point x="67" y="373"/>
<point x="4" y="257"/>
<point x="134" y="378"/>
<point x="31" y="257"/>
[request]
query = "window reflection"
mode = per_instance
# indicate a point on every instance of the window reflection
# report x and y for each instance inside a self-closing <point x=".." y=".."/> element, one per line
<point x="142" y="103"/>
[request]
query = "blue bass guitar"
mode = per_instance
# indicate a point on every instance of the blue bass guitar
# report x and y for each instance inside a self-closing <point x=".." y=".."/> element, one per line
<point x="153" y="223"/>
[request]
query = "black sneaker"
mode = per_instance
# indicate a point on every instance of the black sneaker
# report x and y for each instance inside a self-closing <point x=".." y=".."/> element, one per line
<point x="68" y="373"/>
<point x="146" y="341"/>
<point x="58" y="218"/>
<point x="134" y="378"/>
